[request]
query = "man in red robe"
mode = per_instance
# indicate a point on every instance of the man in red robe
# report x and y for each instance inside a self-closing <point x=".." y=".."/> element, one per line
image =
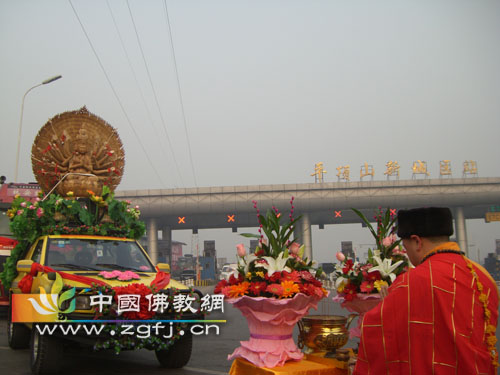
<point x="439" y="317"/>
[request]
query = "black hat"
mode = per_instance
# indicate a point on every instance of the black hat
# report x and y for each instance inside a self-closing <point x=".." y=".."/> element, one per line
<point x="425" y="222"/>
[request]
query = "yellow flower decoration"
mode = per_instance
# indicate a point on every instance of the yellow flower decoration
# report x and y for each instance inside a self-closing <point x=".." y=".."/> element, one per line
<point x="70" y="194"/>
<point x="490" y="329"/>
<point x="491" y="340"/>
<point x="260" y="274"/>
<point x="379" y="283"/>
<point x="341" y="287"/>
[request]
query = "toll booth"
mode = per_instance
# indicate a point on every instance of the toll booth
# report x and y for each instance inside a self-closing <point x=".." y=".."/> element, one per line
<point x="208" y="268"/>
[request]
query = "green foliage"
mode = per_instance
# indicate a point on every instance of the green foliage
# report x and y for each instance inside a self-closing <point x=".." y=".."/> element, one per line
<point x="95" y="215"/>
<point x="278" y="241"/>
<point x="385" y="228"/>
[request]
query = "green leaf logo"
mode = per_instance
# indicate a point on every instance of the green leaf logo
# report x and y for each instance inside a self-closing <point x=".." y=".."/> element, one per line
<point x="67" y="295"/>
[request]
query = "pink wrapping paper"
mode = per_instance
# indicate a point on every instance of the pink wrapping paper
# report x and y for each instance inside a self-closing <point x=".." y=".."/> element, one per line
<point x="271" y="320"/>
<point x="360" y="304"/>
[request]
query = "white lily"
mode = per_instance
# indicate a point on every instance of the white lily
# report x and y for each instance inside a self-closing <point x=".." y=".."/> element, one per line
<point x="385" y="267"/>
<point x="245" y="262"/>
<point x="339" y="281"/>
<point x="274" y="265"/>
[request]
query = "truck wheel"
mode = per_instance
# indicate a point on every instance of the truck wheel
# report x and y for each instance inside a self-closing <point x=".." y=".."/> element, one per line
<point x="18" y="335"/>
<point x="178" y="354"/>
<point x="46" y="353"/>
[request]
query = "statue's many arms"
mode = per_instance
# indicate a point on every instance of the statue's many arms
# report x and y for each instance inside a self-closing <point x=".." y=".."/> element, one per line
<point x="80" y="149"/>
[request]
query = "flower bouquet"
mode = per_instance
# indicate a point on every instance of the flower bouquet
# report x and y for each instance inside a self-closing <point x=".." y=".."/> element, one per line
<point x="273" y="288"/>
<point x="358" y="284"/>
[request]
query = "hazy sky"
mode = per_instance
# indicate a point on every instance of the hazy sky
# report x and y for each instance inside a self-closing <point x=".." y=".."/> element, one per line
<point x="267" y="88"/>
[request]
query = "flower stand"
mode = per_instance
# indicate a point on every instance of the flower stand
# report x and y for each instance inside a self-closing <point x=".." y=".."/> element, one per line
<point x="361" y="304"/>
<point x="271" y="323"/>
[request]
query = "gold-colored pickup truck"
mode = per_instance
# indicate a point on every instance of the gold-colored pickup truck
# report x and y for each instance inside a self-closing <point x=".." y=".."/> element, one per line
<point x="74" y="261"/>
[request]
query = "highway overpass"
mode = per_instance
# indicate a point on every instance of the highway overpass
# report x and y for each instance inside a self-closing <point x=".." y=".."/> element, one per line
<point x="319" y="203"/>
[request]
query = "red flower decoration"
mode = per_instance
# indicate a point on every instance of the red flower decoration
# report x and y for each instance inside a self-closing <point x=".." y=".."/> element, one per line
<point x="290" y="276"/>
<point x="348" y="266"/>
<point x="137" y="289"/>
<point x="366" y="286"/>
<point x="233" y="280"/>
<point x="349" y="291"/>
<point x="221" y="284"/>
<point x="256" y="288"/>
<point x="372" y="276"/>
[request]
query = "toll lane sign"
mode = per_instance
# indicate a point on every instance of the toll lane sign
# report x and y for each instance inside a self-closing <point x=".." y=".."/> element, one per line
<point x="492" y="216"/>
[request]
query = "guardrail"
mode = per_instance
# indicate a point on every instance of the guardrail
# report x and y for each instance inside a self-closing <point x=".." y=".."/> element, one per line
<point x="193" y="282"/>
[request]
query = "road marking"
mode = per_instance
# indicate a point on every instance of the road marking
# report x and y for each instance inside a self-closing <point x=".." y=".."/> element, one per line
<point x="203" y="371"/>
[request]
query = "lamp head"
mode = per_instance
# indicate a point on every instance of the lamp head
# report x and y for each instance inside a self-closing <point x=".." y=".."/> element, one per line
<point x="49" y="80"/>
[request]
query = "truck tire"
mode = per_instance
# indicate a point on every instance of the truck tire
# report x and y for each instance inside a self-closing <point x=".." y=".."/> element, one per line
<point x="46" y="353"/>
<point x="178" y="354"/>
<point x="18" y="335"/>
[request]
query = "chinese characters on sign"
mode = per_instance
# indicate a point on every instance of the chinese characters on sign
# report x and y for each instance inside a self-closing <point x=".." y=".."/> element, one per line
<point x="392" y="169"/>
<point x="444" y="168"/>
<point x="492" y="216"/>
<point x="343" y="173"/>
<point x="470" y="168"/>
<point x="366" y="170"/>
<point x="159" y="302"/>
<point x="418" y="168"/>
<point x="318" y="172"/>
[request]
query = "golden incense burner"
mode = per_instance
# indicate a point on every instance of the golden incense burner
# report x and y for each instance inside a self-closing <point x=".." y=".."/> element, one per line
<point x="324" y="334"/>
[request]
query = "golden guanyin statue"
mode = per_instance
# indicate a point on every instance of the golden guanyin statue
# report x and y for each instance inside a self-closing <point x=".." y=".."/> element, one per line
<point x="77" y="151"/>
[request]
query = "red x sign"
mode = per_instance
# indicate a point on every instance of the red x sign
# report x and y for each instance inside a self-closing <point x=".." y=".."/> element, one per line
<point x="182" y="220"/>
<point x="338" y="213"/>
<point x="393" y="211"/>
<point x="230" y="218"/>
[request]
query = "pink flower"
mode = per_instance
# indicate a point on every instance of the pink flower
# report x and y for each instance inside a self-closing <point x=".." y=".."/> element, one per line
<point x="340" y="256"/>
<point x="366" y="267"/>
<point x="388" y="241"/>
<point x="294" y="248"/>
<point x="39" y="212"/>
<point x="128" y="275"/>
<point x="110" y="275"/>
<point x="20" y="212"/>
<point x="240" y="249"/>
<point x="31" y="207"/>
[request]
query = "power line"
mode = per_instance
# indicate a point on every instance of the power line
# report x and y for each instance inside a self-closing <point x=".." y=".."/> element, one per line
<point x="154" y="94"/>
<point x="180" y="92"/>
<point x="115" y="93"/>
<point x="136" y="80"/>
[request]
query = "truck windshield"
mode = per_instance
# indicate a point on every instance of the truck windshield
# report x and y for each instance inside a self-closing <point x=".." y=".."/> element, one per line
<point x="99" y="255"/>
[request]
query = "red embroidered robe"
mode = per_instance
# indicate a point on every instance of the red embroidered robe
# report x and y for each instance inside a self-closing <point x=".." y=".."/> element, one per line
<point x="432" y="322"/>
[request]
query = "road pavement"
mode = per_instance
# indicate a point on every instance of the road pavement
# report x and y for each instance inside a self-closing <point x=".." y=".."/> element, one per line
<point x="209" y="356"/>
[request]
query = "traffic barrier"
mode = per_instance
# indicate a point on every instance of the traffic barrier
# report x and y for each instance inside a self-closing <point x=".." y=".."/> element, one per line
<point x="203" y="282"/>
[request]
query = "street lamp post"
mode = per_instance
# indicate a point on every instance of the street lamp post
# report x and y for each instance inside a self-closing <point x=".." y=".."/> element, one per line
<point x="49" y="80"/>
